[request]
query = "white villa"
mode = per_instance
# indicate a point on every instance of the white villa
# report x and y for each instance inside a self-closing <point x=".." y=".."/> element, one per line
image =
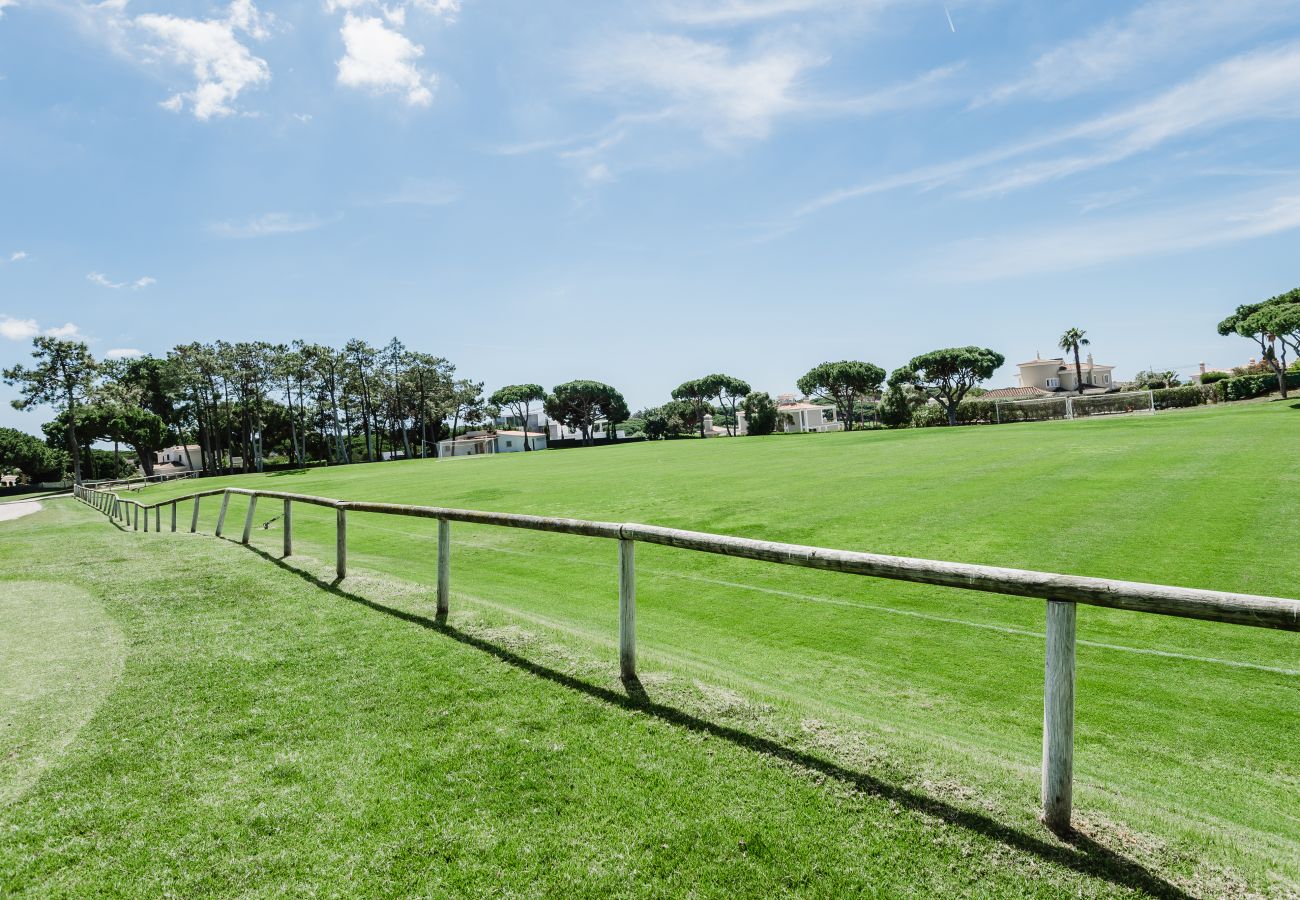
<point x="539" y="422"/>
<point x="175" y="459"/>
<point x="797" y="416"/>
<point x="1058" y="374"/>
<point x="480" y="443"/>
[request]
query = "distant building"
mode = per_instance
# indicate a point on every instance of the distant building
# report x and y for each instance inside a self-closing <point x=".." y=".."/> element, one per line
<point x="1058" y="375"/>
<point x="795" y="416"/>
<point x="181" y="458"/>
<point x="482" y="443"/>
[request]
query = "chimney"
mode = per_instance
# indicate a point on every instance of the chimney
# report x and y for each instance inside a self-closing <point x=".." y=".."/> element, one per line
<point x="1089" y="360"/>
<point x="1202" y="368"/>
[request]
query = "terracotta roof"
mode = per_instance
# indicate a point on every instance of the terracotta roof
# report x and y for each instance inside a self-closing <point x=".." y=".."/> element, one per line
<point x="1014" y="393"/>
<point x="788" y="407"/>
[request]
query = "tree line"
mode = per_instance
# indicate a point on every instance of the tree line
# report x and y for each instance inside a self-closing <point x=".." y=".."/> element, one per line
<point x="232" y="405"/>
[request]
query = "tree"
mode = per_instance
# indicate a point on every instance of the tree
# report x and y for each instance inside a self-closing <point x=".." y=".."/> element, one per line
<point x="466" y="403"/>
<point x="1275" y="320"/>
<point x="1070" y="342"/>
<point x="519" y="398"/>
<point x="898" y="404"/>
<point x="842" y="383"/>
<point x="697" y="393"/>
<point x="948" y="375"/>
<point x="760" y="413"/>
<point x="731" y="392"/>
<point x="31" y="456"/>
<point x="580" y="404"/>
<point x="63" y="376"/>
<point x="1151" y="380"/>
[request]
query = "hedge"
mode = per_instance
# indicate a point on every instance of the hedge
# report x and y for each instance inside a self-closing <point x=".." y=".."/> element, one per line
<point x="1187" y="395"/>
<point x="1248" y="386"/>
<point x="1212" y="377"/>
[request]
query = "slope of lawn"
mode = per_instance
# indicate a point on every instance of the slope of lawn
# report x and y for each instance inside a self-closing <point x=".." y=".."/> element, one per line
<point x="927" y="699"/>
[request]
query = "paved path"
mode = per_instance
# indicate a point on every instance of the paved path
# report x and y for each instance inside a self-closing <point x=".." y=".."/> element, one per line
<point x="18" y="509"/>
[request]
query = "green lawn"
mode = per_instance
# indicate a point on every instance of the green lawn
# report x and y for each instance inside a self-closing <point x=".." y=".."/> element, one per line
<point x="797" y="730"/>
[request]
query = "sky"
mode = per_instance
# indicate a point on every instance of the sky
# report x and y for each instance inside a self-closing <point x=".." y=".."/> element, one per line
<point x="643" y="193"/>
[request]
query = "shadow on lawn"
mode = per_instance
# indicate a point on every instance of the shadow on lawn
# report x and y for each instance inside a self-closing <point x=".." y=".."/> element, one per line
<point x="1078" y="852"/>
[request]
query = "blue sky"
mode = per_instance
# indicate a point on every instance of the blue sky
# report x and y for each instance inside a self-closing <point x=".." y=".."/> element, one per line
<point x="645" y="192"/>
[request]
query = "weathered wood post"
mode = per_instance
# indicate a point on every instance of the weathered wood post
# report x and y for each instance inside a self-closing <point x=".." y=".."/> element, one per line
<point x="146" y="520"/>
<point x="194" y="519"/>
<point x="157" y="519"/>
<point x="1058" y="716"/>
<point x="135" y="516"/>
<point x="444" y="566"/>
<point x="288" y="527"/>
<point x="341" y="540"/>
<point x="221" y="516"/>
<point x="248" y="518"/>
<point x="626" y="608"/>
<point x="173" y="515"/>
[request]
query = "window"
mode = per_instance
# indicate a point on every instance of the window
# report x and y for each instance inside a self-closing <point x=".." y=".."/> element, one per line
<point x="1053" y="383"/>
<point x="510" y="443"/>
<point x="1105" y="379"/>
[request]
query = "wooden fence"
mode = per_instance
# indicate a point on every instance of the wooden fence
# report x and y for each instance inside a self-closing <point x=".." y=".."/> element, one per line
<point x="1062" y="592"/>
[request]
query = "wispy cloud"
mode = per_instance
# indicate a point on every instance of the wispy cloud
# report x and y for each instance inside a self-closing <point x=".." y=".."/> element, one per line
<point x="103" y="280"/>
<point x="123" y="353"/>
<point x="1249" y="87"/>
<point x="1116" y="239"/>
<point x="17" y="256"/>
<point x="5" y="3"/>
<point x="222" y="64"/>
<point x="742" y="12"/>
<point x="270" y="224"/>
<point x="1150" y="34"/>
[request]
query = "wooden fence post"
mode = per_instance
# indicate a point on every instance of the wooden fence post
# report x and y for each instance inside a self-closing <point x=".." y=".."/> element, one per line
<point x="626" y="608"/>
<point x="157" y="518"/>
<point x="146" y="520"/>
<point x="444" y="566"/>
<point x="341" y="540"/>
<point x="1058" y="716"/>
<point x="135" y="516"/>
<point x="173" y="515"/>
<point x="248" y="518"/>
<point x="194" y="519"/>
<point x="288" y="528"/>
<point x="221" y="516"/>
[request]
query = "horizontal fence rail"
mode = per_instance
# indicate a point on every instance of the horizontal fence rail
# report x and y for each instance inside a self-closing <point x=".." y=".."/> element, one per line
<point x="1062" y="592"/>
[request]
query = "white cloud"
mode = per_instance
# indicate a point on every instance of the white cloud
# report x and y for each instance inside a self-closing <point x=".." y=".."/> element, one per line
<point x="4" y="3"/>
<point x="743" y="12"/>
<point x="380" y="59"/>
<point x="18" y="329"/>
<point x="123" y="353"/>
<point x="1115" y="239"/>
<point x="17" y="256"/>
<point x="67" y="332"/>
<point x="725" y="95"/>
<point x="1153" y="32"/>
<point x="1249" y="87"/>
<point x="269" y="224"/>
<point x="222" y="65"/>
<point x="103" y="280"/>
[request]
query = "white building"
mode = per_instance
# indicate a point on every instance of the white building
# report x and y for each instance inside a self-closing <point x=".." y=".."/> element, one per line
<point x="1059" y="374"/>
<point x="795" y="416"/>
<point x="186" y="458"/>
<point x="483" y="443"/>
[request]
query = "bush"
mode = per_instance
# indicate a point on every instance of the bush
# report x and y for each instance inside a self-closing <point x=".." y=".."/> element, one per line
<point x="1212" y="377"/>
<point x="969" y="412"/>
<point x="1179" y="397"/>
<point x="1248" y="386"/>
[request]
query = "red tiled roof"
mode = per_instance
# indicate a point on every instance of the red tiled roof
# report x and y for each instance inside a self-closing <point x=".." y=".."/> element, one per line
<point x="1014" y="393"/>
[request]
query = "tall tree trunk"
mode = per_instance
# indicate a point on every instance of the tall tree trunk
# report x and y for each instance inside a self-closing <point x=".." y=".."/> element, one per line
<point x="1078" y="371"/>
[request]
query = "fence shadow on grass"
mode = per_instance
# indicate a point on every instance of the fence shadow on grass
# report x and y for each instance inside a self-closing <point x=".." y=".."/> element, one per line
<point x="1077" y="852"/>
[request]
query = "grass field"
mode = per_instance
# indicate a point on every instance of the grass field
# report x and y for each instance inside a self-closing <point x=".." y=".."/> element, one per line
<point x="797" y="730"/>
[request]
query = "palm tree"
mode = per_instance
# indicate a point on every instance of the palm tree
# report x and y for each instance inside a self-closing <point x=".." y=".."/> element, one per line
<point x="1070" y="342"/>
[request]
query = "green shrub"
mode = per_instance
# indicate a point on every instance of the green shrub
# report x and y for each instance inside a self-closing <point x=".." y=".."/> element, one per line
<point x="1212" y="377"/>
<point x="969" y="412"/>
<point x="1178" y="397"/>
<point x="1248" y="386"/>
